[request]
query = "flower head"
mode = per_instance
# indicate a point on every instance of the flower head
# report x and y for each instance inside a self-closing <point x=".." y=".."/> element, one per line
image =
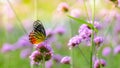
<point x="45" y="50"/>
<point x="66" y="60"/>
<point x="43" y="47"/>
<point x="23" y="42"/>
<point x="106" y="51"/>
<point x="35" y="57"/>
<point x="85" y="33"/>
<point x="76" y="40"/>
<point x="49" y="33"/>
<point x="117" y="49"/>
<point x="47" y="56"/>
<point x="57" y="58"/>
<point x="96" y="24"/>
<point x="60" y="30"/>
<point x="98" y="40"/>
<point x="99" y="62"/>
<point x="7" y="48"/>
<point x="82" y="27"/>
<point x="63" y="7"/>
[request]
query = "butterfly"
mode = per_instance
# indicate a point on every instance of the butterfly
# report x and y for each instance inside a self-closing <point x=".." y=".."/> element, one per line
<point x="38" y="33"/>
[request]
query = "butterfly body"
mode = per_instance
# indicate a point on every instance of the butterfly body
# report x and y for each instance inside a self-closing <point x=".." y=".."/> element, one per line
<point x="38" y="33"/>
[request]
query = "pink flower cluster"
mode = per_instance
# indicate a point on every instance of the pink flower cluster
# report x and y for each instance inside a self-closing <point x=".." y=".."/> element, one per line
<point x="85" y="33"/>
<point x="42" y="53"/>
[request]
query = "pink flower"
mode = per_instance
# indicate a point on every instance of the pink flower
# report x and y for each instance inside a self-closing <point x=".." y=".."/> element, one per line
<point x="75" y="13"/>
<point x="23" y="42"/>
<point x="63" y="7"/>
<point x="76" y="40"/>
<point x="99" y="62"/>
<point x="49" y="33"/>
<point x="106" y="51"/>
<point x="7" y="48"/>
<point x="59" y="30"/>
<point x="35" y="57"/>
<point x="82" y="27"/>
<point x="118" y="3"/>
<point x="117" y="49"/>
<point x="66" y="60"/>
<point x="85" y="33"/>
<point x="44" y="47"/>
<point x="96" y="24"/>
<point x="57" y="58"/>
<point x="98" y="40"/>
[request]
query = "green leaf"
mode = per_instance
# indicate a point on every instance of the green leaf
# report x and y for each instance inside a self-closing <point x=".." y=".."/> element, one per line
<point x="81" y="21"/>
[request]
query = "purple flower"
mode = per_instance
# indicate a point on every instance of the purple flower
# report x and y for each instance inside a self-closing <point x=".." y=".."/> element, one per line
<point x="96" y="24"/>
<point x="98" y="40"/>
<point x="49" y="64"/>
<point x="59" y="30"/>
<point x="106" y="51"/>
<point x="75" y="13"/>
<point x="57" y="58"/>
<point x="25" y="53"/>
<point x="99" y="62"/>
<point x="48" y="56"/>
<point x="118" y="3"/>
<point x="44" y="47"/>
<point x="66" y="60"/>
<point x="76" y="40"/>
<point x="23" y="42"/>
<point x="82" y="27"/>
<point x="85" y="33"/>
<point x="49" y="33"/>
<point x="35" y="57"/>
<point x="63" y="7"/>
<point x="7" y="48"/>
<point x="117" y="49"/>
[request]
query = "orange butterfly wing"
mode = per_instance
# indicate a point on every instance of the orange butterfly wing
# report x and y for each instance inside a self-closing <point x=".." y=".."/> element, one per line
<point x="38" y="34"/>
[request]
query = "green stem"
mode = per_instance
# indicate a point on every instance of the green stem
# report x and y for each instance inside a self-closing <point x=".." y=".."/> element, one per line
<point x="86" y="10"/>
<point x="71" y="50"/>
<point x="43" y="63"/>
<point x="92" y="37"/>
<point x="91" y="48"/>
<point x="71" y="62"/>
